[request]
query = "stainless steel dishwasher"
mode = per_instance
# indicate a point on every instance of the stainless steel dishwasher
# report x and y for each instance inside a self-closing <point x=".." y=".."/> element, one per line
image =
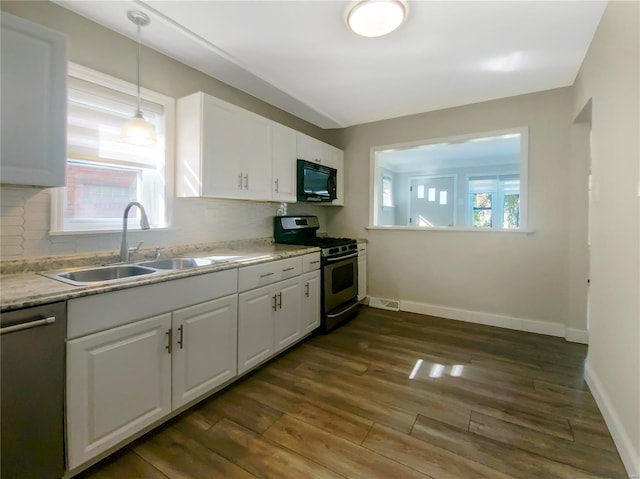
<point x="32" y="365"/>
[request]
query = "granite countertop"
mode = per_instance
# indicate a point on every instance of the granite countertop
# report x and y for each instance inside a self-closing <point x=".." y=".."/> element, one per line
<point x="21" y="286"/>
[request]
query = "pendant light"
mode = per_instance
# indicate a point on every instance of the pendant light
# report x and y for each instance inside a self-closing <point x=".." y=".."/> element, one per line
<point x="137" y="130"/>
<point x="375" y="18"/>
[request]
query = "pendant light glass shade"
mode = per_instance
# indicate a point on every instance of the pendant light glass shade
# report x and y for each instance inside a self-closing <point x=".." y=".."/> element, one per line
<point x="375" y="18"/>
<point x="137" y="130"/>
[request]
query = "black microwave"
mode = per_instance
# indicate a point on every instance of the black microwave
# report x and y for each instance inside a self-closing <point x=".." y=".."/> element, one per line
<point x="316" y="182"/>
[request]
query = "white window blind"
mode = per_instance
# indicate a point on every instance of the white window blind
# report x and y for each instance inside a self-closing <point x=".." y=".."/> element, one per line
<point x="104" y="173"/>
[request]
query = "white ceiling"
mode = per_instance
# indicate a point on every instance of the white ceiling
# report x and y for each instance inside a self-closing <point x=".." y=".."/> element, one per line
<point x="476" y="152"/>
<point x="299" y="55"/>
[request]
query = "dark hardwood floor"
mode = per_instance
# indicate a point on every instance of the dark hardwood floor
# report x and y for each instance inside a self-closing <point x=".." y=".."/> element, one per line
<point x="392" y="395"/>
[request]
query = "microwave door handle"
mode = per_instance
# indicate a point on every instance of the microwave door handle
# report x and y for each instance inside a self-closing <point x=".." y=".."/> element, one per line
<point x="331" y="187"/>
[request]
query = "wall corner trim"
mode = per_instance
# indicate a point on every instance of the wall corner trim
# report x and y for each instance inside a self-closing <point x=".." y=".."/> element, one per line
<point x="629" y="456"/>
<point x="577" y="335"/>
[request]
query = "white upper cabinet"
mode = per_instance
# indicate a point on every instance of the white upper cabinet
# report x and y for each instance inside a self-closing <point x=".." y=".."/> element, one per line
<point x="34" y="103"/>
<point x="284" y="163"/>
<point x="223" y="151"/>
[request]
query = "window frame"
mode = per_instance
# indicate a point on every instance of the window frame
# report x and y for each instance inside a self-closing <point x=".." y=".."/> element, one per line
<point x="374" y="173"/>
<point x="167" y="166"/>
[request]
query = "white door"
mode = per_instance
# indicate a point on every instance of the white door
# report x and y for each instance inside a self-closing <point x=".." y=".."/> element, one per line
<point x="310" y="301"/>
<point x="431" y="201"/>
<point x="222" y="172"/>
<point x="204" y="348"/>
<point x="284" y="163"/>
<point x="287" y="327"/>
<point x="118" y="382"/>
<point x="255" y="326"/>
<point x="255" y="155"/>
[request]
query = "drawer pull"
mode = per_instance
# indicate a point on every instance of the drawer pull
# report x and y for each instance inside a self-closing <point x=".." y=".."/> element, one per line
<point x="170" y="339"/>
<point x="266" y="274"/>
<point x="181" y="337"/>
<point x="314" y="262"/>
<point x="287" y="269"/>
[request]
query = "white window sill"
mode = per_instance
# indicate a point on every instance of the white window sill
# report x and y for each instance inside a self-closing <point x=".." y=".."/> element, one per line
<point x="444" y="228"/>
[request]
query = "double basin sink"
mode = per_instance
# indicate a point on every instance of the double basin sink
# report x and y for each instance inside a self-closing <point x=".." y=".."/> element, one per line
<point x="111" y="273"/>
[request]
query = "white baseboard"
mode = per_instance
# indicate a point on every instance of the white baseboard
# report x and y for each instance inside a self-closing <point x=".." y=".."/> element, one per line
<point x="577" y="335"/>
<point x="498" y="320"/>
<point x="490" y="319"/>
<point x="625" y="448"/>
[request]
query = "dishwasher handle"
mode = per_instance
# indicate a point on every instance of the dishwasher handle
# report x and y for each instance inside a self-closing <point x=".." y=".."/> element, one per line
<point x="28" y="325"/>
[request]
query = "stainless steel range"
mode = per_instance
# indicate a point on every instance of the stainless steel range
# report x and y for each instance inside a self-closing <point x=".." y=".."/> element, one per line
<point x="339" y="266"/>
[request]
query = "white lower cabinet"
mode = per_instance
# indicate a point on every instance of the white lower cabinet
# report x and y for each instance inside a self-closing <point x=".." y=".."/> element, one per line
<point x="310" y="301"/>
<point x="273" y="317"/>
<point x="139" y="355"/>
<point x="145" y="360"/>
<point x="118" y="382"/>
<point x="204" y="348"/>
<point x="255" y="327"/>
<point x="126" y="378"/>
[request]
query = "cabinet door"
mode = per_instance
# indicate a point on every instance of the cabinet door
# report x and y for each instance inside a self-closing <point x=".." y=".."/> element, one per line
<point x="338" y="161"/>
<point x="34" y="103"/>
<point x="222" y="165"/>
<point x="287" y="328"/>
<point x="283" y="163"/>
<point x="204" y="348"/>
<point x="255" y="327"/>
<point x="310" y="301"/>
<point x="118" y="382"/>
<point x="255" y="151"/>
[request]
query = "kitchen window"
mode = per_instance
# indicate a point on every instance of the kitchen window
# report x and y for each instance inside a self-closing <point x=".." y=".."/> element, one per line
<point x="103" y="173"/>
<point x="472" y="182"/>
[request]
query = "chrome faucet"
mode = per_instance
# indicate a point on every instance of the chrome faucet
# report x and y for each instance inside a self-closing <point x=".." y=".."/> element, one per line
<point x="144" y="224"/>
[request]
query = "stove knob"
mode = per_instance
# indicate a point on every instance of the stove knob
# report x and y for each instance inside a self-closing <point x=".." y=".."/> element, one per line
<point x="334" y="250"/>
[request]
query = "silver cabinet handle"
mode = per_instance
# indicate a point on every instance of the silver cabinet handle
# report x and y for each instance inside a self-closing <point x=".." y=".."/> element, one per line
<point x="240" y="180"/>
<point x="29" y="325"/>
<point x="170" y="340"/>
<point x="277" y="185"/>
<point x="287" y="269"/>
<point x="306" y="289"/>
<point x="274" y="306"/>
<point x="246" y="181"/>
<point x="280" y="300"/>
<point x="314" y="262"/>
<point x="181" y="336"/>
<point x="266" y="274"/>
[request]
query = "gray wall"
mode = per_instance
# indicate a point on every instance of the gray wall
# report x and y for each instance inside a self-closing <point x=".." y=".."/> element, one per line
<point x="610" y="80"/>
<point x="514" y="274"/>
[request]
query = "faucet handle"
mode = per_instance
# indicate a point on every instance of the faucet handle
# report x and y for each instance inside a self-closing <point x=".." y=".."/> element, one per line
<point x="157" y="253"/>
<point x="137" y="248"/>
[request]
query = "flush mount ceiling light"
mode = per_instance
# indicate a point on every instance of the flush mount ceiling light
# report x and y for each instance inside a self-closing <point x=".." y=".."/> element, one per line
<point x="375" y="18"/>
<point x="137" y="130"/>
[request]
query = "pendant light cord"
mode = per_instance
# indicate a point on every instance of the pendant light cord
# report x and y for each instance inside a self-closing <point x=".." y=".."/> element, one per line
<point x="138" y="69"/>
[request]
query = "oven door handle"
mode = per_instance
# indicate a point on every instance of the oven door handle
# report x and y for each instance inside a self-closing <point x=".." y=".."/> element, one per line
<point x="340" y="258"/>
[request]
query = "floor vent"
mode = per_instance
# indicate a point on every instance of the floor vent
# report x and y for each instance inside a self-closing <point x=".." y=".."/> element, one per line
<point x="381" y="303"/>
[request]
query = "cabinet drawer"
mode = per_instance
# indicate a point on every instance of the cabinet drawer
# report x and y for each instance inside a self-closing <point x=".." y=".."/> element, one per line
<point x="310" y="262"/>
<point x="267" y="273"/>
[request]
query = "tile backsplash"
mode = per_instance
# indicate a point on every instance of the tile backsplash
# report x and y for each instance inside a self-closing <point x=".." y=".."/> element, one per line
<point x="26" y="218"/>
